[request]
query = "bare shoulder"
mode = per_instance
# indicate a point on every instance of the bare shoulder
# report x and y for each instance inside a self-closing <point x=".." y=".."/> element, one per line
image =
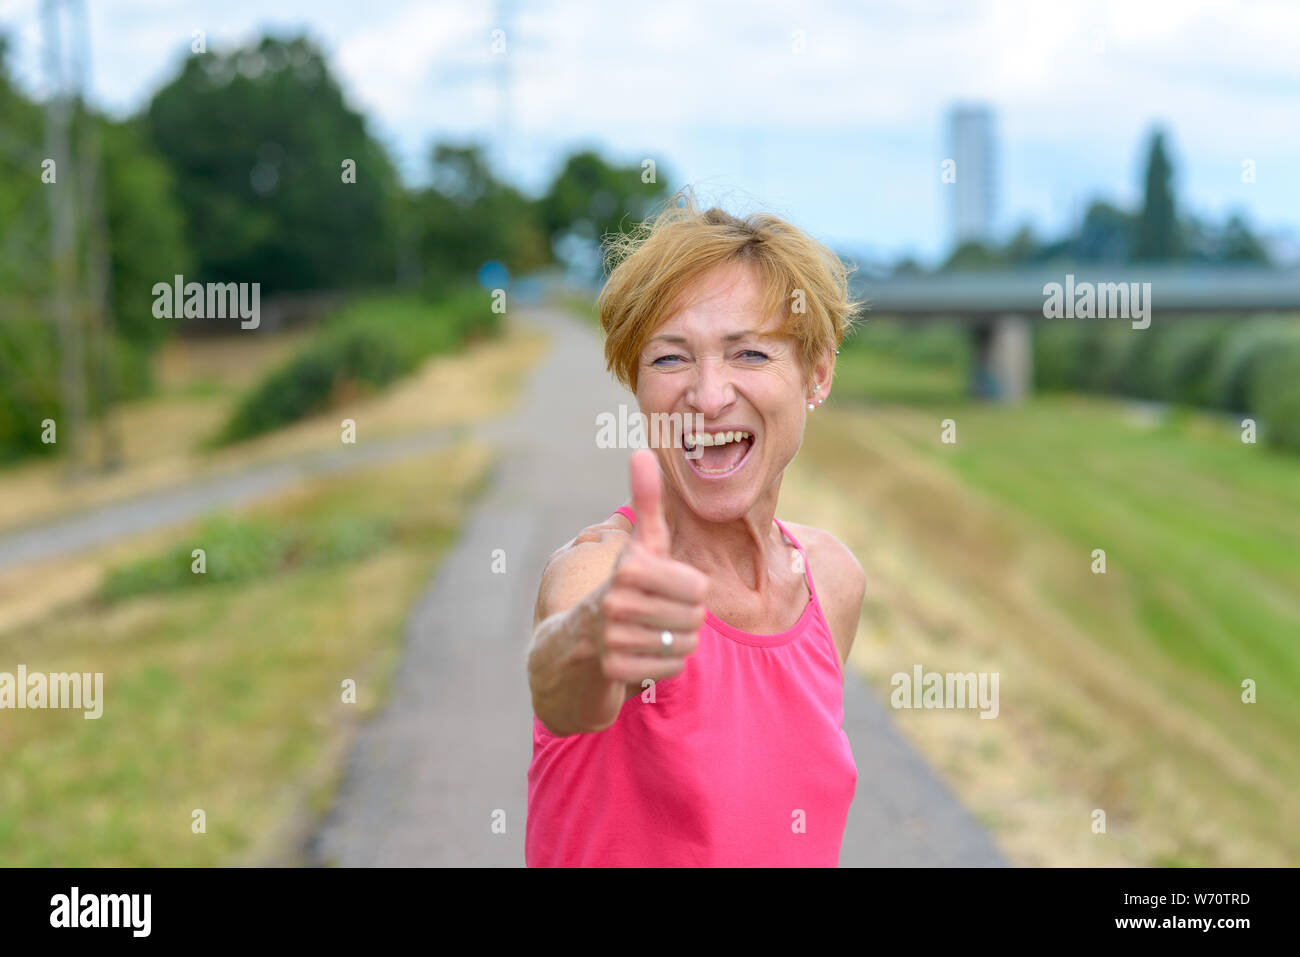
<point x="832" y="560"/>
<point x="579" y="565"/>
<point x="840" y="580"/>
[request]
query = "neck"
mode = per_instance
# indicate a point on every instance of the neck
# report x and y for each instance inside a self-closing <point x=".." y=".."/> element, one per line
<point x="746" y="548"/>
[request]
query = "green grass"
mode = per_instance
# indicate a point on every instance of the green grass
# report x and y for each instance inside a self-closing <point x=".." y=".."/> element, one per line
<point x="1209" y="525"/>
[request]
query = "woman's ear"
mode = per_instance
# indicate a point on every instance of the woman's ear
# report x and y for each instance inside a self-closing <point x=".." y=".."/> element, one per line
<point x="823" y="372"/>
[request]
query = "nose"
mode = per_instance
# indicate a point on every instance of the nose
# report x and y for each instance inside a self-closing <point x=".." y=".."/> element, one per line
<point x="712" y="393"/>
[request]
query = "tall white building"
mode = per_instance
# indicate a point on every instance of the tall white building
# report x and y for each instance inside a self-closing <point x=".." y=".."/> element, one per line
<point x="974" y="195"/>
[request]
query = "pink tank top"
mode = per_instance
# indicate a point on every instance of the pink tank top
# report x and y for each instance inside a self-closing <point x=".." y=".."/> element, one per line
<point x="740" y="760"/>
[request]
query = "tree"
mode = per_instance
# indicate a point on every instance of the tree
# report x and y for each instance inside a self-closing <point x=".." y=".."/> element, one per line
<point x="1105" y="235"/>
<point x="1023" y="247"/>
<point x="972" y="254"/>
<point x="146" y="230"/>
<point x="1157" y="226"/>
<point x="260" y="140"/>
<point x="143" y="233"/>
<point x="1239" y="244"/>
<point x="590" y="197"/>
<point x="467" y="217"/>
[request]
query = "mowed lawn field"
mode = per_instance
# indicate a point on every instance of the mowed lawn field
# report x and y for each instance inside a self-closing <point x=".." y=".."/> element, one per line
<point x="1120" y="692"/>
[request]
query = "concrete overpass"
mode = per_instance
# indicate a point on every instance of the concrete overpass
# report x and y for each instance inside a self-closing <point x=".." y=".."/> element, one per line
<point x="999" y="305"/>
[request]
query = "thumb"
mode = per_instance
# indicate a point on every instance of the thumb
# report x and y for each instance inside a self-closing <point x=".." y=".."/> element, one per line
<point x="647" y="501"/>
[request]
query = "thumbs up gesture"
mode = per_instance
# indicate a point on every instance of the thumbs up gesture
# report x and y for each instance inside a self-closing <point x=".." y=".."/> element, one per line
<point x="653" y="606"/>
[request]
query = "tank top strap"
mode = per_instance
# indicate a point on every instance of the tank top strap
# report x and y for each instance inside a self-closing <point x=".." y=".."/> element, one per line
<point x="807" y="572"/>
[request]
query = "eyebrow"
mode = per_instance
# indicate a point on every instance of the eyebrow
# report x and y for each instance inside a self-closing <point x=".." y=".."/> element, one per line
<point x="729" y="337"/>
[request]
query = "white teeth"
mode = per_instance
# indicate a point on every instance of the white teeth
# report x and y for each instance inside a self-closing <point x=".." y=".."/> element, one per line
<point x="715" y="438"/>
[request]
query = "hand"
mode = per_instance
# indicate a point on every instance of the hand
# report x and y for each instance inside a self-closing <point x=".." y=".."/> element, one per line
<point x="649" y="593"/>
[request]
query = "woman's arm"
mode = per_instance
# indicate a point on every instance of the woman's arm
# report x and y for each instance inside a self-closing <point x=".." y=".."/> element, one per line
<point x="570" y="692"/>
<point x="603" y="603"/>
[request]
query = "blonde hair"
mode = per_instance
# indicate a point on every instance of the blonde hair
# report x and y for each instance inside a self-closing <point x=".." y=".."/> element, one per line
<point x="652" y="267"/>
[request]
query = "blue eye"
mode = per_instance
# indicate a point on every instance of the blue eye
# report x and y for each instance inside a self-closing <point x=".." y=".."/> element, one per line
<point x="754" y="352"/>
<point x="662" y="358"/>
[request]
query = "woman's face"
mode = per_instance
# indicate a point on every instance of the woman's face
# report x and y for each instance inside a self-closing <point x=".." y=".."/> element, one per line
<point x="709" y="359"/>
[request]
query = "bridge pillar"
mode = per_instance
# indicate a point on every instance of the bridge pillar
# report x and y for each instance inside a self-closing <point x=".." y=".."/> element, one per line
<point x="1003" y="354"/>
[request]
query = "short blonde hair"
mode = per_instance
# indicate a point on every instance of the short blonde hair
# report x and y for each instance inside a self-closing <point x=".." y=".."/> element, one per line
<point x="652" y="267"/>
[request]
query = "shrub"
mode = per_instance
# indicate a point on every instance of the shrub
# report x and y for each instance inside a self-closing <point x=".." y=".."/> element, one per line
<point x="236" y="550"/>
<point x="1112" y="352"/>
<point x="364" y="347"/>
<point x="1235" y="367"/>
<point x="1178" y="363"/>
<point x="1275" y="396"/>
<point x="1061" y="351"/>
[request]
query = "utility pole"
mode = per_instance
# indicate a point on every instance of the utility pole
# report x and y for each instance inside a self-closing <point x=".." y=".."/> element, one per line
<point x="63" y="245"/>
<point x="99" y="313"/>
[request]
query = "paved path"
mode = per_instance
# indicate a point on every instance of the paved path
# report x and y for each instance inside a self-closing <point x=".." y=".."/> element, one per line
<point x="102" y="524"/>
<point x="451" y="746"/>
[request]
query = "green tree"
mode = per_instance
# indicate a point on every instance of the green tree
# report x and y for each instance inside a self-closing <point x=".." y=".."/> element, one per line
<point x="590" y="197"/>
<point x="142" y="230"/>
<point x="1105" y="235"/>
<point x="972" y="254"/>
<point x="1239" y="244"/>
<point x="1023" y="247"/>
<point x="146" y="230"/>
<point x="259" y="138"/>
<point x="24" y="204"/>
<point x="1157" y="225"/>
<point x="468" y="217"/>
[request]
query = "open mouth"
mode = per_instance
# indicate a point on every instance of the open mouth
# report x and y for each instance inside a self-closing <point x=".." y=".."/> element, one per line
<point x="717" y="454"/>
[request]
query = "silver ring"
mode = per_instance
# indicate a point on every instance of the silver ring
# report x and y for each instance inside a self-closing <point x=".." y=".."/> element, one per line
<point x="666" y="638"/>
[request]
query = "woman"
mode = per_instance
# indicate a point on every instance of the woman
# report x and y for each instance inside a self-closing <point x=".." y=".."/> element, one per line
<point x="686" y="672"/>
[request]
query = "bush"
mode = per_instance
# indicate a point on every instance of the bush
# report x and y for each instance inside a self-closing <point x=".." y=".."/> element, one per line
<point x="935" y="343"/>
<point x="1112" y="353"/>
<point x="1178" y="363"/>
<point x="234" y="551"/>
<point x="29" y="386"/>
<point x="237" y="550"/>
<point x="1275" y="396"/>
<point x="362" y="348"/>
<point x="1236" y="365"/>
<point x="1060" y="352"/>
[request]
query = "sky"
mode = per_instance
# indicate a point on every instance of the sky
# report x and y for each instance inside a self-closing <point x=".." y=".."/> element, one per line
<point x="832" y="114"/>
